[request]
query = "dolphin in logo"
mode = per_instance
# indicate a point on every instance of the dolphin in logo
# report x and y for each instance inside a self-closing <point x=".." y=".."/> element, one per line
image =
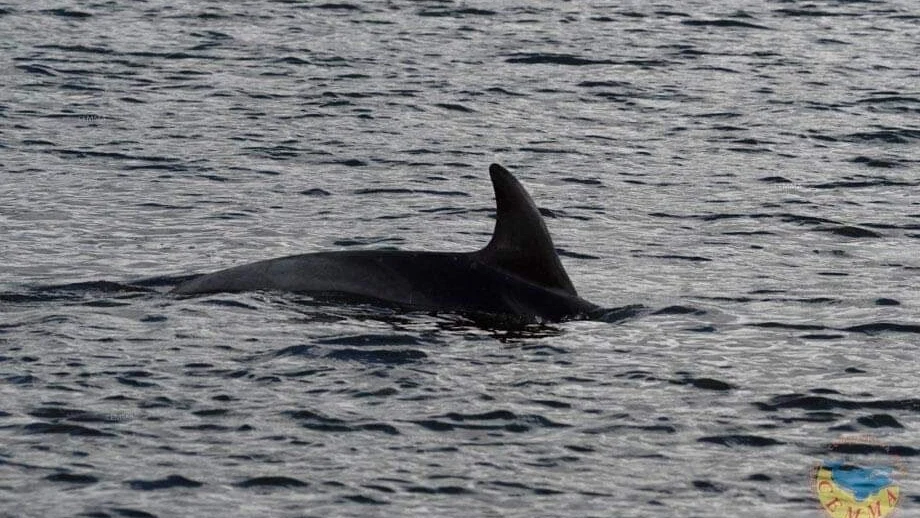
<point x="517" y="274"/>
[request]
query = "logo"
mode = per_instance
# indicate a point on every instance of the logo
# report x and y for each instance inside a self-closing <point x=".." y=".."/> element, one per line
<point x="847" y="489"/>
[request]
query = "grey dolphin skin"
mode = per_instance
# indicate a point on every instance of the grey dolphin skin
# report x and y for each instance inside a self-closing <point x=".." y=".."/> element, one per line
<point x="517" y="274"/>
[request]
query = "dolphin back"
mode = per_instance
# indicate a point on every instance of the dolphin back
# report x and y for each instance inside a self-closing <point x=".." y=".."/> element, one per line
<point x="518" y="272"/>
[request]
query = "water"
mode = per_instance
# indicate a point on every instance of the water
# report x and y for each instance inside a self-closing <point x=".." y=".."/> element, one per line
<point x="745" y="171"/>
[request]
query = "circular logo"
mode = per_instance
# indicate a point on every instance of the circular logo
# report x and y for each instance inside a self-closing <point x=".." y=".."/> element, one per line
<point x="847" y="489"/>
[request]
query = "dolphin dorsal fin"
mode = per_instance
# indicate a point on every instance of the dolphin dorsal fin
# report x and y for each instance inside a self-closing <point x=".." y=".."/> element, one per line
<point x="521" y="244"/>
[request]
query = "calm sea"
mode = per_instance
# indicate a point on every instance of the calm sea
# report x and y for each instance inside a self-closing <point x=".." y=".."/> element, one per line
<point x="747" y="172"/>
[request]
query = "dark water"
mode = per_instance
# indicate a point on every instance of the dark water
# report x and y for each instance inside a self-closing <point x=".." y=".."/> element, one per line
<point x="746" y="171"/>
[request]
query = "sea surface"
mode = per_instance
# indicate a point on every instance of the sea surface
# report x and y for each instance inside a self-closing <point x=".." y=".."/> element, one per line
<point x="744" y="175"/>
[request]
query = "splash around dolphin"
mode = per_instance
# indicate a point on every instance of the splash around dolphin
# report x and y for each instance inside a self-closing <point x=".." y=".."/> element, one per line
<point x="517" y="274"/>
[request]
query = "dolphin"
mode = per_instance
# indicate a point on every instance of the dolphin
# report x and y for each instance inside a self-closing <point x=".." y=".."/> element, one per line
<point x="517" y="274"/>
